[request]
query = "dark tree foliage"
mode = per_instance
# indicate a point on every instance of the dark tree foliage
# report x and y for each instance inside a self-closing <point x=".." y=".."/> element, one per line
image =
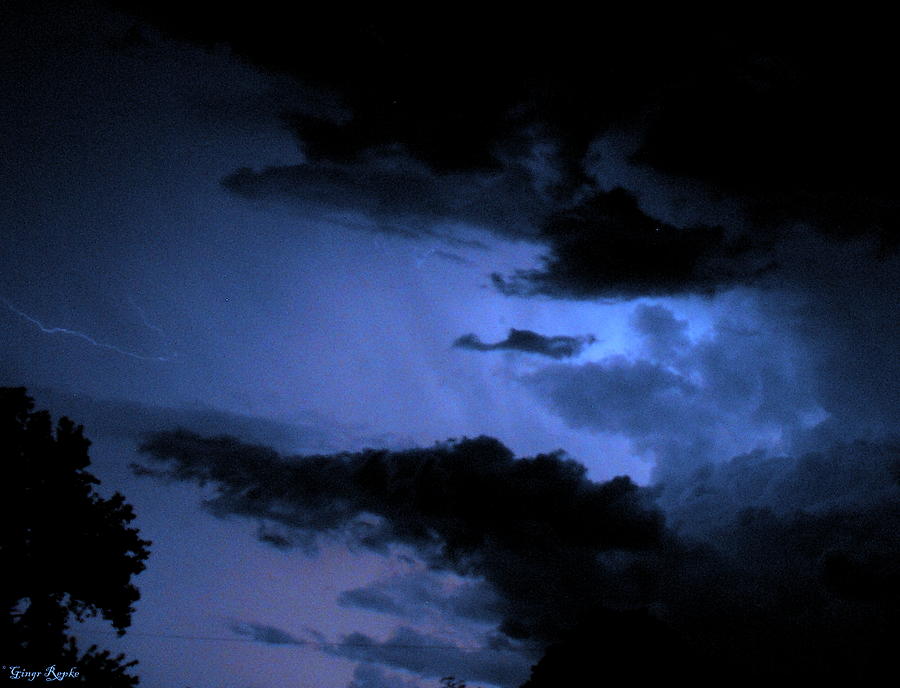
<point x="65" y="552"/>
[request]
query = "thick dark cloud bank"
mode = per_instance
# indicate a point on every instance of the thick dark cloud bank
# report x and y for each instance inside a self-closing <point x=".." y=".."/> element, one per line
<point x="648" y="156"/>
<point x="784" y="566"/>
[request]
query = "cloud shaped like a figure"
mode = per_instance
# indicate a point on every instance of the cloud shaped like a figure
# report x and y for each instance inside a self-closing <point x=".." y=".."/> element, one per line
<point x="559" y="346"/>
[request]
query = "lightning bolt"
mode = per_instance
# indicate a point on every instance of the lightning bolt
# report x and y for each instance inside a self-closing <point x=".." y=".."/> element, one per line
<point x="81" y="335"/>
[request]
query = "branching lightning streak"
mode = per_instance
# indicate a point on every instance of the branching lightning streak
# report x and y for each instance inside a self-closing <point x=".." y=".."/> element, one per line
<point x="81" y="335"/>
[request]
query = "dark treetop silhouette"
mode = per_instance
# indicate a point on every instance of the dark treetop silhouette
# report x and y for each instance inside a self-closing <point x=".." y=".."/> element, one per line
<point x="65" y="551"/>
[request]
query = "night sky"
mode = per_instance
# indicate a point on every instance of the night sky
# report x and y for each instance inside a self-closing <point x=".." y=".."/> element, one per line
<point x="423" y="342"/>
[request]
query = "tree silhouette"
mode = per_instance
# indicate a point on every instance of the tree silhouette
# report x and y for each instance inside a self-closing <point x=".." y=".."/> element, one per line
<point x="65" y="551"/>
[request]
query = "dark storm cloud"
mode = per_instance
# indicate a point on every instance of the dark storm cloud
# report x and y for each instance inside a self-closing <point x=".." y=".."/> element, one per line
<point x="607" y="246"/>
<point x="783" y="564"/>
<point x="398" y="195"/>
<point x="846" y="324"/>
<point x="531" y="528"/>
<point x="770" y="116"/>
<point x="268" y="635"/>
<point x="842" y="478"/>
<point x="799" y="548"/>
<point x="450" y="90"/>
<point x="740" y="97"/>
<point x="792" y="576"/>
<point x="810" y="550"/>
<point x="800" y="132"/>
<point x="432" y="657"/>
<point x="558" y="346"/>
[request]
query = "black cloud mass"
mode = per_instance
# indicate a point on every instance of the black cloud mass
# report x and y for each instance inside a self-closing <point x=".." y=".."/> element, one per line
<point x="498" y="121"/>
<point x="559" y="346"/>
<point x="532" y="528"/>
<point x="606" y="246"/>
<point x="394" y="194"/>
<point x="788" y="564"/>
